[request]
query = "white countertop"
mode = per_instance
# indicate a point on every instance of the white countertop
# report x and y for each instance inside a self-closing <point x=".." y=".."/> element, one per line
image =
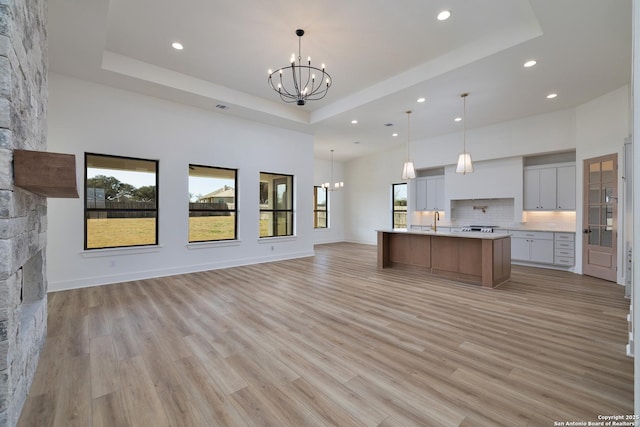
<point x="466" y="234"/>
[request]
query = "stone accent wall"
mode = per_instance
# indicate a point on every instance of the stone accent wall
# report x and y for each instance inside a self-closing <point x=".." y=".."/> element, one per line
<point x="23" y="283"/>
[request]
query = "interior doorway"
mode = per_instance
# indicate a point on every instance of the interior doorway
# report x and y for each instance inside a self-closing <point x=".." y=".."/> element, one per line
<point x="600" y="212"/>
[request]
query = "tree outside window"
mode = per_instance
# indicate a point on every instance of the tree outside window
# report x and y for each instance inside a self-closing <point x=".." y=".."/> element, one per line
<point x="121" y="201"/>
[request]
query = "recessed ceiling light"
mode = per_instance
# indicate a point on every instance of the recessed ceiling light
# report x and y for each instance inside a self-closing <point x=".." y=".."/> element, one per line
<point x="444" y="15"/>
<point x="530" y="63"/>
<point x="457" y="119"/>
<point x="177" y="46"/>
<point x="552" y="95"/>
<point x="421" y="99"/>
<point x="394" y="134"/>
<point x="353" y="122"/>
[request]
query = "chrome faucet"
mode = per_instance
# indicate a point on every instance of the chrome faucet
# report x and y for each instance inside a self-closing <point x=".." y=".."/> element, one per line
<point x="436" y="217"/>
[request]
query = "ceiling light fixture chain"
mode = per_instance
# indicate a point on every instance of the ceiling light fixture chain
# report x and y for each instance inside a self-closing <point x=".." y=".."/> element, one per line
<point x="292" y="89"/>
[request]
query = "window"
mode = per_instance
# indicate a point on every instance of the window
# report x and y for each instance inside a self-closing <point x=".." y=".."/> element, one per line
<point x="121" y="202"/>
<point x="212" y="204"/>
<point x="276" y="205"/>
<point x="320" y="207"/>
<point x="399" y="194"/>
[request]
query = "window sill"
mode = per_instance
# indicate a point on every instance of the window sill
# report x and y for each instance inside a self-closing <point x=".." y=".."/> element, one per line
<point x="266" y="240"/>
<point x="96" y="253"/>
<point x="207" y="245"/>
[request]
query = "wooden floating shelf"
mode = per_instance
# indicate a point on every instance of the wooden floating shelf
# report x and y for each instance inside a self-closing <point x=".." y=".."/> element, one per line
<point x="47" y="174"/>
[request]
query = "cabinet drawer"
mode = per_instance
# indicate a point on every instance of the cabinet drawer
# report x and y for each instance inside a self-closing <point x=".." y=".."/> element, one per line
<point x="565" y="253"/>
<point x="561" y="260"/>
<point x="532" y="234"/>
<point x="565" y="245"/>
<point x="570" y="237"/>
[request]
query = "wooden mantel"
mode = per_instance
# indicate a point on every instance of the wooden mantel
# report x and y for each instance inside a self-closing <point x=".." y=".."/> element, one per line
<point x="479" y="258"/>
<point x="46" y="174"/>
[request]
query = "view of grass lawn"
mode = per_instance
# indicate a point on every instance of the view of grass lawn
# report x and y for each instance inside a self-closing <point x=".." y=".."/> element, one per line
<point x="115" y="232"/>
<point x="204" y="228"/>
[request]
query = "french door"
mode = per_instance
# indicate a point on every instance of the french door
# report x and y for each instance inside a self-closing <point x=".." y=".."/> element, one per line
<point x="600" y="212"/>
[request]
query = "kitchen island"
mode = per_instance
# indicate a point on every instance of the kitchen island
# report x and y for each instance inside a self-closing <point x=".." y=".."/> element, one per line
<point x="471" y="257"/>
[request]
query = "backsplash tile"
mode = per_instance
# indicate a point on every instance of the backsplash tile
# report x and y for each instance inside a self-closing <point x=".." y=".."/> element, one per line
<point x="482" y="211"/>
<point x="550" y="220"/>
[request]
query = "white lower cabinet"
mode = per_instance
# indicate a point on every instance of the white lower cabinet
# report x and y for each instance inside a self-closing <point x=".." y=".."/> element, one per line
<point x="532" y="246"/>
<point x="543" y="247"/>
<point x="565" y="249"/>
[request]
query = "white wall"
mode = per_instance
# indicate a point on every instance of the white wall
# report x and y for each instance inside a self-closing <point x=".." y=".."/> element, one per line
<point x="491" y="179"/>
<point x="602" y="125"/>
<point x="87" y="117"/>
<point x="635" y="124"/>
<point x="368" y="206"/>
<point x="532" y="135"/>
<point x="322" y="174"/>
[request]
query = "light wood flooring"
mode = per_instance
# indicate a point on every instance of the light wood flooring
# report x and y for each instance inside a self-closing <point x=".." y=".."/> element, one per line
<point x="332" y="341"/>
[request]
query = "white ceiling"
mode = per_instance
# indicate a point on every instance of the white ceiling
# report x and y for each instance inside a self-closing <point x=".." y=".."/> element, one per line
<point x="381" y="55"/>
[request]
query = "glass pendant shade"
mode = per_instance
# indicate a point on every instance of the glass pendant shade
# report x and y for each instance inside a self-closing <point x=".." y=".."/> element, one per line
<point x="408" y="171"/>
<point x="464" y="164"/>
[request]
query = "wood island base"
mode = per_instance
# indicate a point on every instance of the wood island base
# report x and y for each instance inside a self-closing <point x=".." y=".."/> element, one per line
<point x="477" y="258"/>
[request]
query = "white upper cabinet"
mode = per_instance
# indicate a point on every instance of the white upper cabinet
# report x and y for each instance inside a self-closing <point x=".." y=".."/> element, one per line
<point x="566" y="185"/>
<point x="550" y="188"/>
<point x="421" y="194"/>
<point x="430" y="193"/>
<point x="435" y="194"/>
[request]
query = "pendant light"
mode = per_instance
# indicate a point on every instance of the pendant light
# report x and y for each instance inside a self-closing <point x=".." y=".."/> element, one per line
<point x="465" y="165"/>
<point x="408" y="171"/>
<point x="336" y="185"/>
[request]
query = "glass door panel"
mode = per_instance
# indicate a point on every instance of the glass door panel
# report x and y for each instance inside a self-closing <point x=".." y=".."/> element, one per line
<point x="599" y="221"/>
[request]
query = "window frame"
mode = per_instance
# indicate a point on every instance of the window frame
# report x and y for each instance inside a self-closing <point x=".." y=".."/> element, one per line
<point x="234" y="211"/>
<point x="316" y="211"/>
<point x="156" y="209"/>
<point x="393" y="205"/>
<point x="274" y="211"/>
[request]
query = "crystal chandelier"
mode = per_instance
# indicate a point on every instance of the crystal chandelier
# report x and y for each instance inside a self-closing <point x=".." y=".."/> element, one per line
<point x="336" y="185"/>
<point x="297" y="82"/>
